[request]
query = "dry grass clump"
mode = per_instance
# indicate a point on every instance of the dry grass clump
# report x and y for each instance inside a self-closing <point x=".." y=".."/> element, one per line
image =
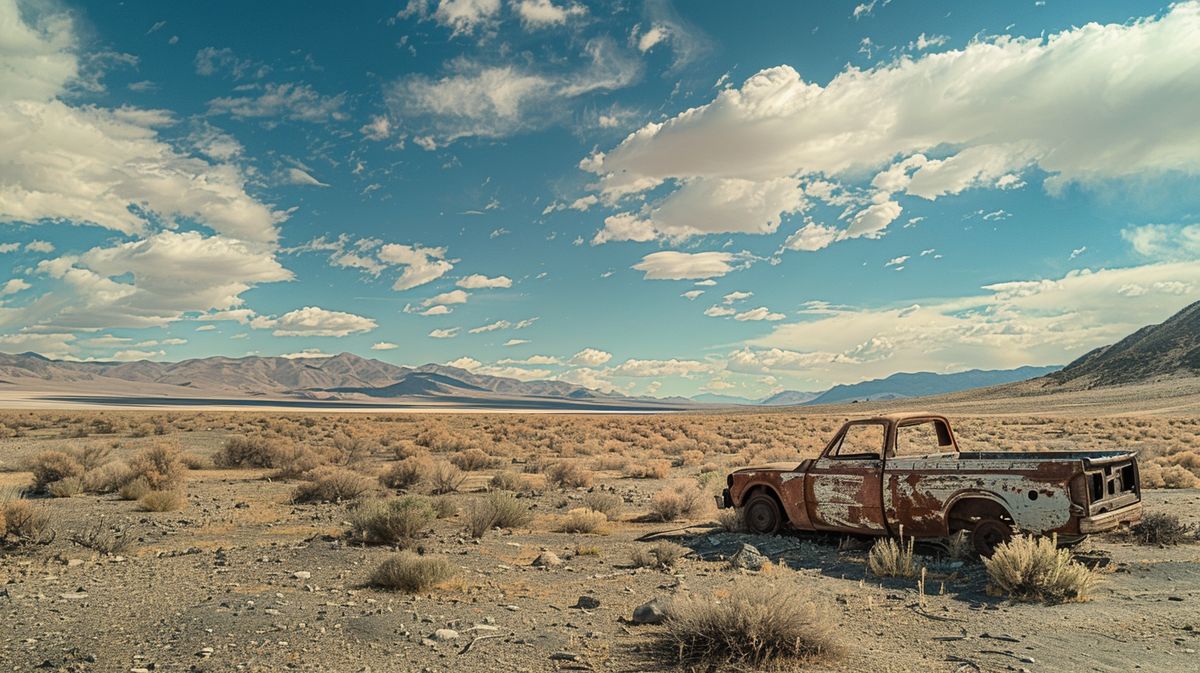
<point x="406" y="474"/>
<point x="332" y="484"/>
<point x="664" y="555"/>
<point x="65" y="488"/>
<point x="507" y="480"/>
<point x="472" y="460"/>
<point x="680" y="500"/>
<point x="888" y="558"/>
<point x="1034" y="569"/>
<point x="583" y="520"/>
<point x="756" y="625"/>
<point x="650" y="469"/>
<point x="411" y="573"/>
<point x="134" y="489"/>
<point x="103" y="538"/>
<point x="54" y="466"/>
<point x="496" y="510"/>
<point x="242" y="451"/>
<point x="107" y="478"/>
<point x="162" y="501"/>
<point x="731" y="520"/>
<point x="392" y="521"/>
<point x="1155" y="475"/>
<point x="1162" y="528"/>
<point x="569" y="474"/>
<point x="609" y="504"/>
<point x="160" y="466"/>
<point x="24" y="523"/>
<point x="444" y="507"/>
<point x="445" y="477"/>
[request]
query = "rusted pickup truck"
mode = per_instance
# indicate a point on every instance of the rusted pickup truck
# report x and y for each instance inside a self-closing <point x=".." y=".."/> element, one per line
<point x="903" y="474"/>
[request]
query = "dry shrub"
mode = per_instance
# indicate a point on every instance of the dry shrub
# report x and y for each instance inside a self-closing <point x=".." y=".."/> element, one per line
<point x="568" y="474"/>
<point x="193" y="461"/>
<point x="650" y="469"/>
<point x="757" y="625"/>
<point x="107" y="478"/>
<point x="472" y="460"/>
<point x="444" y="507"/>
<point x="1034" y="569"/>
<point x="332" y="484"/>
<point x="65" y="488"/>
<point x="411" y="573"/>
<point x="609" y="504"/>
<point x="496" y="510"/>
<point x="51" y="466"/>
<point x="25" y="523"/>
<point x="103" y="538"/>
<point x="293" y="461"/>
<point x="162" y="501"/>
<point x="92" y="456"/>
<point x="664" y="555"/>
<point x="1154" y="475"/>
<point x="731" y="520"/>
<point x="391" y="521"/>
<point x="445" y="477"/>
<point x="160" y="466"/>
<point x="1162" y="528"/>
<point x="134" y="489"/>
<point x="508" y="480"/>
<point x="245" y="451"/>
<point x="681" y="500"/>
<point x="406" y="474"/>
<point x="888" y="558"/>
<point x="582" y="520"/>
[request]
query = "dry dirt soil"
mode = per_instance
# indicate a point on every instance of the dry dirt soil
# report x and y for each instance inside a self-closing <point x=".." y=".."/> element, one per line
<point x="243" y="579"/>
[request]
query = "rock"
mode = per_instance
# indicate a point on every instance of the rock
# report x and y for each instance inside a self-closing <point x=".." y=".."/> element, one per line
<point x="748" y="558"/>
<point x="587" y="603"/>
<point x="547" y="559"/>
<point x="565" y="656"/>
<point x="442" y="635"/>
<point x="302" y="575"/>
<point x="74" y="562"/>
<point x="205" y="652"/>
<point x="650" y="612"/>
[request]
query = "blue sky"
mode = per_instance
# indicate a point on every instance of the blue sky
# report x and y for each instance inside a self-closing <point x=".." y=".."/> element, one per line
<point x="653" y="198"/>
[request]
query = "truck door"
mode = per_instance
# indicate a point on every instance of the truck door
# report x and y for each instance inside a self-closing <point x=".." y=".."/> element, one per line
<point x="920" y="476"/>
<point x="844" y="487"/>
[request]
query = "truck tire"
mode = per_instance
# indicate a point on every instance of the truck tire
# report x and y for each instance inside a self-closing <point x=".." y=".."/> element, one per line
<point x="988" y="534"/>
<point x="762" y="514"/>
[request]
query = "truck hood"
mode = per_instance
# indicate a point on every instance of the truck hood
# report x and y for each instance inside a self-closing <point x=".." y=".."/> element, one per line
<point x="787" y="466"/>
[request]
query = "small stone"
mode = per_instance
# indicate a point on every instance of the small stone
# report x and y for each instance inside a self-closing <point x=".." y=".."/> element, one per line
<point x="564" y="656"/>
<point x="651" y="612"/>
<point x="547" y="559"/>
<point x="205" y="652"/>
<point x="748" y="558"/>
<point x="442" y="635"/>
<point x="74" y="562"/>
<point x="302" y="575"/>
<point x="587" y="603"/>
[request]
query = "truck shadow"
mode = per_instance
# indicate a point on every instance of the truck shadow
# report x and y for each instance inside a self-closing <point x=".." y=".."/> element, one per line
<point x="844" y="558"/>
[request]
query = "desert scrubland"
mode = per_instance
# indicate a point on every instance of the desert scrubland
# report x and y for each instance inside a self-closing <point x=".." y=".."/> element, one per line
<point x="259" y="541"/>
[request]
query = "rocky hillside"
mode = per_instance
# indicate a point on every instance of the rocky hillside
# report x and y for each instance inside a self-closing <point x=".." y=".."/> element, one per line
<point x="1170" y="349"/>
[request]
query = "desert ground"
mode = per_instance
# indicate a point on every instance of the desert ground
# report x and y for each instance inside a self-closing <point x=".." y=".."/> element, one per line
<point x="543" y="532"/>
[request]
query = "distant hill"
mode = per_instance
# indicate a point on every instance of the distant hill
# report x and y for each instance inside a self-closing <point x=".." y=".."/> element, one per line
<point x="1167" y="350"/>
<point x="713" y="398"/>
<point x="340" y="377"/>
<point x="789" y="398"/>
<point x="921" y="384"/>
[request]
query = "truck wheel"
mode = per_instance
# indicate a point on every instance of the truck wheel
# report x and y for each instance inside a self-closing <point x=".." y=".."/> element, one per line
<point x="762" y="514"/>
<point x="989" y="534"/>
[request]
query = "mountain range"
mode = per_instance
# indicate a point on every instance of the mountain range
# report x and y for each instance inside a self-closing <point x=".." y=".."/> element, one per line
<point x="1167" y="350"/>
<point x="344" y="377"/>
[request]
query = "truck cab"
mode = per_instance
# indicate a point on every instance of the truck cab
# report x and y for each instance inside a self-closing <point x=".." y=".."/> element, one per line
<point x="904" y="475"/>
